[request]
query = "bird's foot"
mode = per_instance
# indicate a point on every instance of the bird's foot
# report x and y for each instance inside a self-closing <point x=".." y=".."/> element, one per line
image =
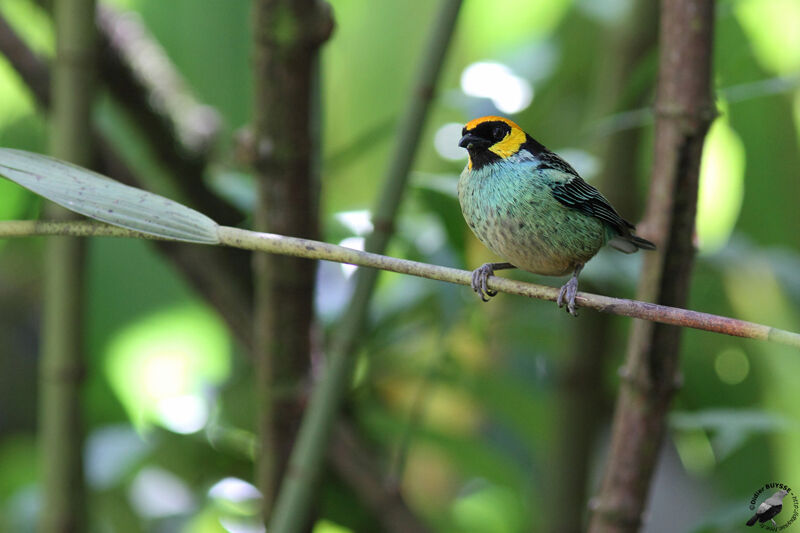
<point x="568" y="292"/>
<point x="480" y="278"/>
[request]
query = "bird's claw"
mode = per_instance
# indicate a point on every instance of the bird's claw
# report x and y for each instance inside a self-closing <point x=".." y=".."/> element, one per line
<point x="569" y="290"/>
<point x="480" y="279"/>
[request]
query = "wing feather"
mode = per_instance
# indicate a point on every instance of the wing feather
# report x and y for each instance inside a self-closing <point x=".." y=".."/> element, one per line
<point x="577" y="194"/>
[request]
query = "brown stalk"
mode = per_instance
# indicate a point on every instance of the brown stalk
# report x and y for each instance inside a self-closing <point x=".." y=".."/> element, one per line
<point x="287" y="36"/>
<point x="684" y="111"/>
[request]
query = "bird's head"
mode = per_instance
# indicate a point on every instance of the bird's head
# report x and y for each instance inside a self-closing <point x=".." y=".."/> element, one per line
<point x="490" y="139"/>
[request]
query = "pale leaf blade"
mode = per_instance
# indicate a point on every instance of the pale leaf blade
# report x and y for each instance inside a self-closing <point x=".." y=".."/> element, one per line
<point x="102" y="198"/>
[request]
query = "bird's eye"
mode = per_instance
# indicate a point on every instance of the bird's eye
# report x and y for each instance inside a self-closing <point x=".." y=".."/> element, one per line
<point x="498" y="133"/>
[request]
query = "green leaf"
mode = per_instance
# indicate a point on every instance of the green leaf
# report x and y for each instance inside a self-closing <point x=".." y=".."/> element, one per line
<point x="102" y="198"/>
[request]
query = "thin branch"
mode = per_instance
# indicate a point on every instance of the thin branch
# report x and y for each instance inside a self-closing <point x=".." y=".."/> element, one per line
<point x="415" y="416"/>
<point x="643" y="116"/>
<point x="127" y="52"/>
<point x="27" y="64"/>
<point x="294" y="246"/>
<point x="138" y="68"/>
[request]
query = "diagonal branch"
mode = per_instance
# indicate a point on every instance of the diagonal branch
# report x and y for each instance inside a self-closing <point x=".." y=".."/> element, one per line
<point x="180" y="130"/>
<point x="28" y="65"/>
<point x="294" y="246"/>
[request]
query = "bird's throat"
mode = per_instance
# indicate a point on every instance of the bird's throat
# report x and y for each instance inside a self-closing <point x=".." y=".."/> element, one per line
<point x="480" y="158"/>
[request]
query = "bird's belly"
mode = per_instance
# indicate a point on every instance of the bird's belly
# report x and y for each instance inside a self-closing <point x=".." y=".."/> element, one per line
<point x="545" y="249"/>
<point x="534" y="233"/>
<point x="534" y="255"/>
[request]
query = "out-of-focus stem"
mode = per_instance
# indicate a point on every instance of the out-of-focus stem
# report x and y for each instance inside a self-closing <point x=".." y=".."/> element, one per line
<point x="179" y="130"/>
<point x="583" y="398"/>
<point x="62" y="360"/>
<point x="287" y="36"/>
<point x="296" y="493"/>
<point x="684" y="110"/>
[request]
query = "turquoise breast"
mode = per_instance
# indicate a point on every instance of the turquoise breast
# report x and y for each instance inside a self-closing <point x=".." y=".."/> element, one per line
<point x="510" y="208"/>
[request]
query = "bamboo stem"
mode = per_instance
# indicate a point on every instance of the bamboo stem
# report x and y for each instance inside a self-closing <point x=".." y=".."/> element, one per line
<point x="279" y="244"/>
<point x="62" y="359"/>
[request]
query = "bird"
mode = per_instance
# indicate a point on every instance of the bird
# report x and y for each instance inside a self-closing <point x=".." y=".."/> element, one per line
<point x="769" y="508"/>
<point x="531" y="208"/>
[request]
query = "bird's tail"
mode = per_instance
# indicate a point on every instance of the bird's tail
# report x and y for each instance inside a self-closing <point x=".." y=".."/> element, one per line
<point x="630" y="243"/>
<point x="644" y="244"/>
<point x="753" y="520"/>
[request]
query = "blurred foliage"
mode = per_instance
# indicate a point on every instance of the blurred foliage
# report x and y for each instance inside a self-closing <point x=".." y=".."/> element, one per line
<point x="457" y="397"/>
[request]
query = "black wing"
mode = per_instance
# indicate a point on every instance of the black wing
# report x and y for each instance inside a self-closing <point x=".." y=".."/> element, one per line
<point x="548" y="159"/>
<point x="578" y="194"/>
<point x="770" y="513"/>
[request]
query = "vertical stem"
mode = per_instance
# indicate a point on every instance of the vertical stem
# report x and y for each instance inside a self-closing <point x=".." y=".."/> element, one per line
<point x="650" y="376"/>
<point x="296" y="493"/>
<point x="582" y="403"/>
<point x="287" y="37"/>
<point x="62" y="361"/>
<point x="583" y="398"/>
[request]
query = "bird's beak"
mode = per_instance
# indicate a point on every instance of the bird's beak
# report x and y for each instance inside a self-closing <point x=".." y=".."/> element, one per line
<point x="470" y="142"/>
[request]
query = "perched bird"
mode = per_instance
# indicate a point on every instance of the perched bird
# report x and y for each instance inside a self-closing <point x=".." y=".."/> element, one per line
<point x="531" y="208"/>
<point x="769" y="508"/>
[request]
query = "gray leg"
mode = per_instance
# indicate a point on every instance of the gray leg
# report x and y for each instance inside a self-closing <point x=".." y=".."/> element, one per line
<point x="481" y="275"/>
<point x="570" y="289"/>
